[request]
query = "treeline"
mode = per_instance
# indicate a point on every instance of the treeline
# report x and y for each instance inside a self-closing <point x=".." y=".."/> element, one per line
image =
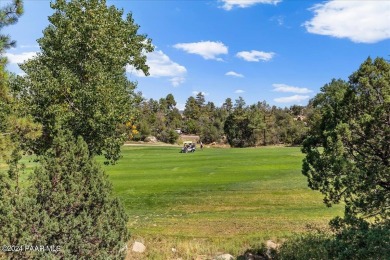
<point x="235" y="123"/>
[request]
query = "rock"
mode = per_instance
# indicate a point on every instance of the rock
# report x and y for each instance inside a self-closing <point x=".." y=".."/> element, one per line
<point x="174" y="250"/>
<point x="151" y="139"/>
<point x="271" y="244"/>
<point x="225" y="257"/>
<point x="271" y="247"/>
<point x="138" y="247"/>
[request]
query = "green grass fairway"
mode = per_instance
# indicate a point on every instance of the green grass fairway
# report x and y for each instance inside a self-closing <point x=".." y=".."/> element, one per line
<point x="222" y="196"/>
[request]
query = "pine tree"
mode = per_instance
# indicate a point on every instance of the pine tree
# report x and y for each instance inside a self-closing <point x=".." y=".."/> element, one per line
<point x="351" y="122"/>
<point x="68" y="206"/>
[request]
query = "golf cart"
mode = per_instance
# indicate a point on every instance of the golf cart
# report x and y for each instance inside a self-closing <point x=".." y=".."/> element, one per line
<point x="188" y="147"/>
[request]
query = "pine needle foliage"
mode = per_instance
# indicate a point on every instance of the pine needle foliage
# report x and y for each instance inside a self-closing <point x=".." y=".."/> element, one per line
<point x="68" y="207"/>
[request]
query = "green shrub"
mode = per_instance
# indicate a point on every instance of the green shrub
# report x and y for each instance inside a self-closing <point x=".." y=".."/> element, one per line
<point x="168" y="136"/>
<point x="359" y="241"/>
<point x="307" y="246"/>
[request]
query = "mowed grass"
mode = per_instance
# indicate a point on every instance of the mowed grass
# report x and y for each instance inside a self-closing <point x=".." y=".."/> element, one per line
<point x="215" y="199"/>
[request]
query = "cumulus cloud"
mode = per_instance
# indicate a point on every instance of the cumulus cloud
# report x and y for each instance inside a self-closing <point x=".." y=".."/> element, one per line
<point x="359" y="21"/>
<point x="234" y="74"/>
<point x="255" y="56"/>
<point x="290" y="89"/>
<point x="160" y="65"/>
<point x="291" y="99"/>
<point x="239" y="91"/>
<point x="207" y="49"/>
<point x="20" y="58"/>
<point x="230" y="4"/>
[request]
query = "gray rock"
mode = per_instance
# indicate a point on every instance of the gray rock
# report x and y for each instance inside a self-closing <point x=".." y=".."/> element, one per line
<point x="138" y="247"/>
<point x="225" y="257"/>
<point x="271" y="244"/>
<point x="151" y="139"/>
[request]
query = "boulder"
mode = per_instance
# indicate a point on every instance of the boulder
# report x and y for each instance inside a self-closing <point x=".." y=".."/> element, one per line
<point x="138" y="247"/>
<point x="151" y="139"/>
<point x="271" y="248"/>
<point x="225" y="257"/>
<point x="271" y="244"/>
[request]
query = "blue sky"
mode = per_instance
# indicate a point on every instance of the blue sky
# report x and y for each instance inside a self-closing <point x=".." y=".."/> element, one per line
<point x="281" y="51"/>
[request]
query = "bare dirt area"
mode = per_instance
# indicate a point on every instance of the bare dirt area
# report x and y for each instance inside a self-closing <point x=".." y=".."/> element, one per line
<point x="149" y="144"/>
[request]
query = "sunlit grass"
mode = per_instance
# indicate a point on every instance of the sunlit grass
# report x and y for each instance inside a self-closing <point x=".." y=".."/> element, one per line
<point x="227" y="198"/>
<point x="210" y="201"/>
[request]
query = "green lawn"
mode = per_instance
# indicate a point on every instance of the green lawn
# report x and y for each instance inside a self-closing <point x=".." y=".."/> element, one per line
<point x="227" y="198"/>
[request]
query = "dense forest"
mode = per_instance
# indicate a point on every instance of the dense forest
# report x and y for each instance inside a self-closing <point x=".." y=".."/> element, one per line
<point x="235" y="123"/>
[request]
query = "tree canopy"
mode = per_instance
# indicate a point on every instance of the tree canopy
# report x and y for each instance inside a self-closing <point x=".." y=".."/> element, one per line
<point x="8" y="15"/>
<point x="348" y="147"/>
<point x="78" y="81"/>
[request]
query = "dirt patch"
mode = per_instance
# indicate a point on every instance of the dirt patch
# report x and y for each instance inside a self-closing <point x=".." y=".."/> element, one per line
<point x="149" y="144"/>
<point x="192" y="138"/>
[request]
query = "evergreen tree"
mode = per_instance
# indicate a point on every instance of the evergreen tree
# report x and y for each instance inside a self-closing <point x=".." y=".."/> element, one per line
<point x="352" y="125"/>
<point x="68" y="204"/>
<point x="200" y="100"/>
<point x="228" y="105"/>
<point x="192" y="109"/>
<point x="238" y="130"/>
<point x="9" y="15"/>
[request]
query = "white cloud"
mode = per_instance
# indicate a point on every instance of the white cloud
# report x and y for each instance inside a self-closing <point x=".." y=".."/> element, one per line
<point x="291" y="89"/>
<point x="234" y="74"/>
<point x="255" y="56"/>
<point x="278" y="19"/>
<point x="20" y="58"/>
<point x="160" y="65"/>
<point x="180" y="106"/>
<point x="291" y="99"/>
<point x="239" y="91"/>
<point x="229" y="4"/>
<point x="203" y="93"/>
<point x="207" y="49"/>
<point x="176" y="81"/>
<point x="359" y="21"/>
<point x="29" y="46"/>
